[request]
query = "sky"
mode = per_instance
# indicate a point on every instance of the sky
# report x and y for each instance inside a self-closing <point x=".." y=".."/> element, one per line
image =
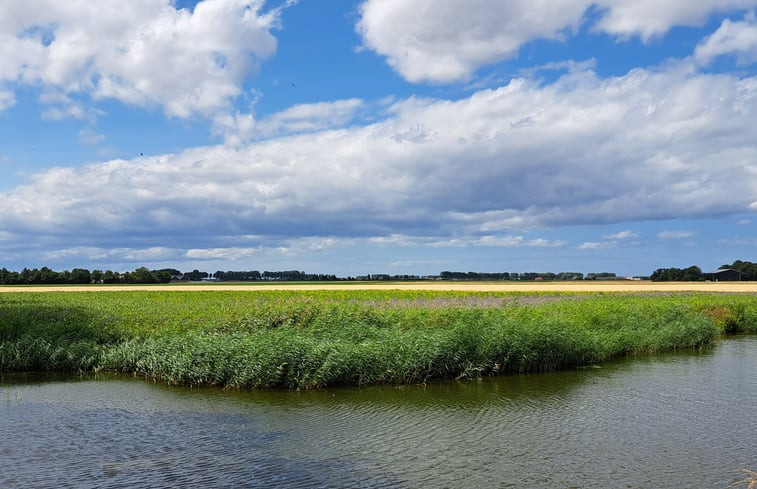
<point x="378" y="136"/>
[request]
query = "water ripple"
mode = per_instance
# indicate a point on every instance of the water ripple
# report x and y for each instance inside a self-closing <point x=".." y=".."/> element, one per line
<point x="660" y="422"/>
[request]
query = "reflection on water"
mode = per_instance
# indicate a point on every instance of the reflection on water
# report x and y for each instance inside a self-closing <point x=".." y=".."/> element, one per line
<point x="672" y="421"/>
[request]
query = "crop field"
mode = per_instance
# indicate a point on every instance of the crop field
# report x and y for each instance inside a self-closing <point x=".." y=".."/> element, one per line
<point x="472" y="286"/>
<point x="258" y="337"/>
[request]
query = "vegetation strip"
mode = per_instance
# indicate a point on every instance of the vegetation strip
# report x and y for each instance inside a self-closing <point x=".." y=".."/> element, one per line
<point x="311" y="339"/>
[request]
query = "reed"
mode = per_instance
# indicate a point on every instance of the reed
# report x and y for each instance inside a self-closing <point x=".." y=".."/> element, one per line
<point x="315" y="339"/>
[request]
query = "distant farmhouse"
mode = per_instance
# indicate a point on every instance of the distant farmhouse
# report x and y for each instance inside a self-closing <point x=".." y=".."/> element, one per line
<point x="724" y="275"/>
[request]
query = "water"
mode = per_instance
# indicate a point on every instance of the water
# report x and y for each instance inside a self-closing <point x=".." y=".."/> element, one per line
<point x="670" y="421"/>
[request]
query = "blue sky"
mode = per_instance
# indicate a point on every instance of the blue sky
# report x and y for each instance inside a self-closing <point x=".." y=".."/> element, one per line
<point x="378" y="136"/>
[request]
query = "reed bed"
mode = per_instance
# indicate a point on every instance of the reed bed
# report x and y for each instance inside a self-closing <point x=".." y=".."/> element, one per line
<point x="312" y="339"/>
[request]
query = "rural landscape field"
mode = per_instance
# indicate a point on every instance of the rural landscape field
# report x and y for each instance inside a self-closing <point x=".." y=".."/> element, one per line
<point x="367" y="373"/>
<point x="584" y="286"/>
<point x="378" y="244"/>
<point x="302" y="336"/>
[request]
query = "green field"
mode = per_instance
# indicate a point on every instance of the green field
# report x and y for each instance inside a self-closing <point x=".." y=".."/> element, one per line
<point x="311" y="339"/>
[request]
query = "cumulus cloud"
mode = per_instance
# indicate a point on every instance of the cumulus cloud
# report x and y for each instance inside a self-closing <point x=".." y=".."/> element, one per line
<point x="647" y="145"/>
<point x="446" y="40"/>
<point x="442" y="41"/>
<point x="650" y="18"/>
<point x="235" y="128"/>
<point x="142" y="52"/>
<point x="731" y="38"/>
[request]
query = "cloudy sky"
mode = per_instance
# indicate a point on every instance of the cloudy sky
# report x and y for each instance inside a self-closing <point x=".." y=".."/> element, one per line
<point x="378" y="136"/>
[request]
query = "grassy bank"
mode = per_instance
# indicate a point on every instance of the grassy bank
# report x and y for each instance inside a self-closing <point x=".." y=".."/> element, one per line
<point x="322" y="338"/>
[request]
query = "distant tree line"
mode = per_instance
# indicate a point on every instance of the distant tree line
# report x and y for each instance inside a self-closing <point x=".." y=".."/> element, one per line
<point x="388" y="277"/>
<point x="280" y="276"/>
<point x="142" y="275"/>
<point x="694" y="273"/>
<point x="446" y="275"/>
<point x="47" y="276"/>
<point x="690" y="274"/>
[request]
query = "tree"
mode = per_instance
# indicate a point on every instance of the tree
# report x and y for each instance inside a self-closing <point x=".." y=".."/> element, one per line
<point x="47" y="276"/>
<point x="143" y="276"/>
<point x="110" y="277"/>
<point x="80" y="276"/>
<point x="97" y="276"/>
<point x="195" y="275"/>
<point x="691" y="274"/>
<point x="162" y="276"/>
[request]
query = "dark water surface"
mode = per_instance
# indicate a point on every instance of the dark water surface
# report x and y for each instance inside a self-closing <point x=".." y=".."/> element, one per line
<point x="670" y="421"/>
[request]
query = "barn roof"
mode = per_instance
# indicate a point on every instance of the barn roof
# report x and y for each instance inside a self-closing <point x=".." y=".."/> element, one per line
<point x="721" y="270"/>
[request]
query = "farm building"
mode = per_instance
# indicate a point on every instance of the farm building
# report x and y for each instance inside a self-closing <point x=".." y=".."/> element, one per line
<point x="724" y="275"/>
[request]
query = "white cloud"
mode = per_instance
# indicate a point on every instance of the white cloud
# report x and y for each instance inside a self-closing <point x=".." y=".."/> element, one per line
<point x="228" y="254"/>
<point x="7" y="99"/>
<point x="97" y="254"/>
<point x="611" y="241"/>
<point x="675" y="234"/>
<point x="622" y="235"/>
<point x="593" y="245"/>
<point x="235" y="128"/>
<point x="60" y="106"/>
<point x="499" y="242"/>
<point x="142" y="52"/>
<point x="90" y="137"/>
<point x="510" y="241"/>
<point x="442" y="41"/>
<point x="647" y="145"/>
<point x="446" y="40"/>
<point x="651" y="18"/>
<point x="309" y="117"/>
<point x="731" y="38"/>
<point x="240" y="128"/>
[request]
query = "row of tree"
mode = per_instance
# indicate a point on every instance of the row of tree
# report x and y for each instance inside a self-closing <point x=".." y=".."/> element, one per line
<point x="691" y="274"/>
<point x="281" y="276"/>
<point x="143" y="275"/>
<point x="47" y="276"/>
<point x="446" y="275"/>
<point x="694" y="273"/>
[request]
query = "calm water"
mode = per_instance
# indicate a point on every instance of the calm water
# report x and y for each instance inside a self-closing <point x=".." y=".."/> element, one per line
<point x="672" y="421"/>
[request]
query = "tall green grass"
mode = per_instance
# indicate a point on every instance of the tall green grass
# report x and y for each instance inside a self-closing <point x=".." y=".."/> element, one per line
<point x="258" y="338"/>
